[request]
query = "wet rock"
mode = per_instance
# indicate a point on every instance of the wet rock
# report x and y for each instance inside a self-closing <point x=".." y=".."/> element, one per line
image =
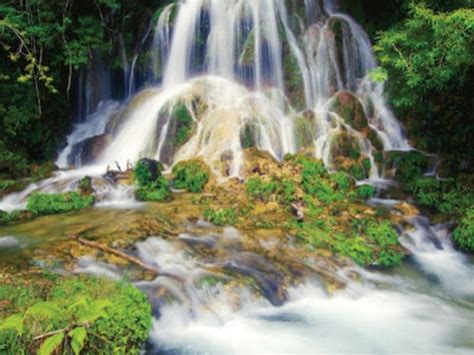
<point x="89" y="149"/>
<point x="268" y="279"/>
<point x="305" y="129"/>
<point x="348" y="106"/>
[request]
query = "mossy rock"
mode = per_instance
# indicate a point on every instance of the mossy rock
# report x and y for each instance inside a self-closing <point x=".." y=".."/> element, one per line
<point x="150" y="184"/>
<point x="191" y="175"/>
<point x="348" y="106"/>
<point x="89" y="149"/>
<point x="249" y="135"/>
<point x="305" y="130"/>
<point x="345" y="145"/>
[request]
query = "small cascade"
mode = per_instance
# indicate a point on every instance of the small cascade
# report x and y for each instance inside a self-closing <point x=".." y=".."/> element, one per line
<point x="432" y="249"/>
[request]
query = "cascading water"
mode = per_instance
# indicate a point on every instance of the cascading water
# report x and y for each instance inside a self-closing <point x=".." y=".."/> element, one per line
<point x="228" y="56"/>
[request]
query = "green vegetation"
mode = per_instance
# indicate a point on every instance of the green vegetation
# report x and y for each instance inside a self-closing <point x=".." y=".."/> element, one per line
<point x="150" y="184"/>
<point x="429" y="58"/>
<point x="408" y="165"/>
<point x="43" y="204"/>
<point x="45" y="45"/>
<point x="364" y="192"/>
<point x="74" y="315"/>
<point x="221" y="216"/>
<point x="191" y="175"/>
<point x="258" y="189"/>
<point x="184" y="123"/>
<point x="463" y="235"/>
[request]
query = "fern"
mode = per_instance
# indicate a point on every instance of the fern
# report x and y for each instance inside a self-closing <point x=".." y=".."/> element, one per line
<point x="14" y="322"/>
<point x="51" y="344"/>
<point x="94" y="311"/>
<point x="43" y="309"/>
<point x="78" y="338"/>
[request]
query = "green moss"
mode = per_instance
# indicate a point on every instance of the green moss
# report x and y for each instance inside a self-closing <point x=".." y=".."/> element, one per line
<point x="88" y="314"/>
<point x="150" y="185"/>
<point x="342" y="180"/>
<point x="365" y="192"/>
<point x="463" y="235"/>
<point x="221" y="217"/>
<point x="258" y="189"/>
<point x="184" y="123"/>
<point x="304" y="131"/>
<point x="85" y="186"/>
<point x="44" y="204"/>
<point x="158" y="191"/>
<point x="191" y="175"/>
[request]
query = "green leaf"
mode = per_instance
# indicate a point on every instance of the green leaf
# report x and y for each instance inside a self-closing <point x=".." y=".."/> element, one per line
<point x="51" y="344"/>
<point x="78" y="337"/>
<point x="14" y="322"/>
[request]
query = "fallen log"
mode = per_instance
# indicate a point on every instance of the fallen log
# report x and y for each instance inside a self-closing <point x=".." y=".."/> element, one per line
<point x="116" y="253"/>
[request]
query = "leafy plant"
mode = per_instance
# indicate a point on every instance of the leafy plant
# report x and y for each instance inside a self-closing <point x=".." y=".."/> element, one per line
<point x="44" y="204"/>
<point x="78" y="315"/>
<point x="463" y="235"/>
<point x="365" y="192"/>
<point x="191" y="175"/>
<point x="150" y="184"/>
<point x="221" y="217"/>
<point x="261" y="190"/>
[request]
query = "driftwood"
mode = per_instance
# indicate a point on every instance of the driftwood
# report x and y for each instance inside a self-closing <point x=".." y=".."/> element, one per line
<point x="116" y="253"/>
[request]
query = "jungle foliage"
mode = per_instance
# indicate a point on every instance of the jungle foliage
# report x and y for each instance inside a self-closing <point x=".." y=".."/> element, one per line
<point x="77" y="315"/>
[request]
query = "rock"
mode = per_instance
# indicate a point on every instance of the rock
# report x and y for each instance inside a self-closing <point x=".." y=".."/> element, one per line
<point x="407" y="209"/>
<point x="89" y="149"/>
<point x="348" y="106"/>
<point x="305" y="129"/>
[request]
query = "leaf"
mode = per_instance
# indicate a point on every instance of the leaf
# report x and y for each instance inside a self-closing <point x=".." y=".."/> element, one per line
<point x="14" y="322"/>
<point x="78" y="337"/>
<point x="94" y="311"/>
<point x="51" y="344"/>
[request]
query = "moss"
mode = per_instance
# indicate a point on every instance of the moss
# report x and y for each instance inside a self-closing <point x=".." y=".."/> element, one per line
<point x="88" y="315"/>
<point x="150" y="185"/>
<point x="304" y="130"/>
<point x="85" y="186"/>
<point x="221" y="216"/>
<point x="258" y="189"/>
<point x="345" y="145"/>
<point x="341" y="180"/>
<point x="248" y="136"/>
<point x="191" y="175"/>
<point x="348" y="107"/>
<point x="44" y="204"/>
<point x="184" y="122"/>
<point x="365" y="192"/>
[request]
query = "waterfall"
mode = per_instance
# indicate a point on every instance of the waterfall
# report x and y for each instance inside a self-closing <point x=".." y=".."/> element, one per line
<point x="233" y="59"/>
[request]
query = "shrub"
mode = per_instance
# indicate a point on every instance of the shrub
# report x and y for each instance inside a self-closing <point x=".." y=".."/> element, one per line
<point x="159" y="191"/>
<point x="221" y="217"/>
<point x="463" y="235"/>
<point x="150" y="184"/>
<point x="191" y="175"/>
<point x="44" y="204"/>
<point x="83" y="315"/>
<point x="409" y="165"/>
<point x="365" y="192"/>
<point x="341" y="180"/>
